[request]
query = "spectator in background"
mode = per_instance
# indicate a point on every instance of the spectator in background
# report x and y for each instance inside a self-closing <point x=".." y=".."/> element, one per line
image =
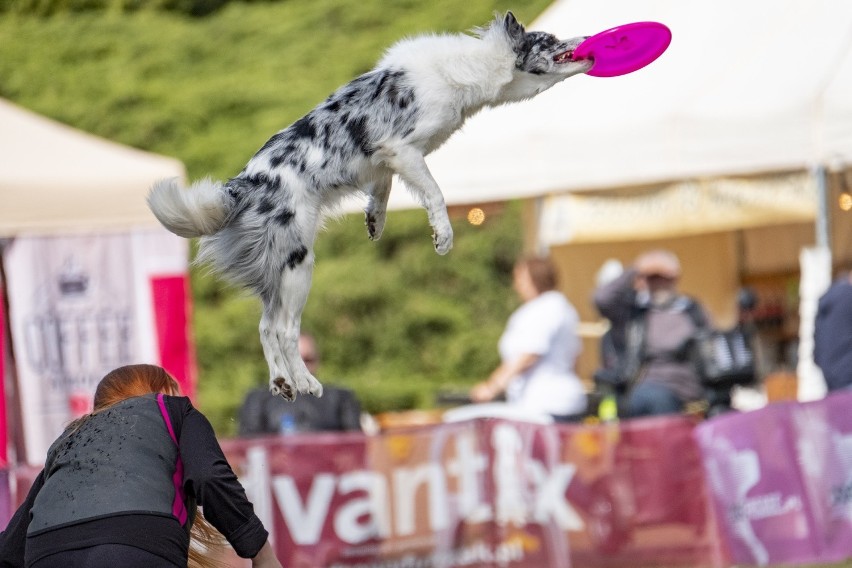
<point x="833" y="334"/>
<point x="337" y="410"/>
<point x="120" y="487"/>
<point x="538" y="348"/>
<point x="653" y="326"/>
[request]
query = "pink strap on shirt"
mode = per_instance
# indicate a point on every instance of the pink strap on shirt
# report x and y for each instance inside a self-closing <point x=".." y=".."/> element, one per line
<point x="179" y="505"/>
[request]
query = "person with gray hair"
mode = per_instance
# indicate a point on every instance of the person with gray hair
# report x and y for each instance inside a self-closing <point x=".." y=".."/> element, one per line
<point x="652" y="328"/>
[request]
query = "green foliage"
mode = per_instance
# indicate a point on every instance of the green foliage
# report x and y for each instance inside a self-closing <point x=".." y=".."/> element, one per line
<point x="394" y="320"/>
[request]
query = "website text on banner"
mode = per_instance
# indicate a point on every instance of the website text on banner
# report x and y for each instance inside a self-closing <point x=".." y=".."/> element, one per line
<point x="484" y="493"/>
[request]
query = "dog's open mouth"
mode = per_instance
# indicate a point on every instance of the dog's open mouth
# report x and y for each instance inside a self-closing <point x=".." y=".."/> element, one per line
<point x="564" y="57"/>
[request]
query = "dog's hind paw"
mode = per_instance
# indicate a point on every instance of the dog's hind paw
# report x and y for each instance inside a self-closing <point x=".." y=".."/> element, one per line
<point x="443" y="242"/>
<point x="308" y="384"/>
<point x="316" y="388"/>
<point x="375" y="226"/>
<point x="282" y="387"/>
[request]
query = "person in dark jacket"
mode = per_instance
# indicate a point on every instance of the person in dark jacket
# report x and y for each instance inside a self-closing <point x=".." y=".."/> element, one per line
<point x="833" y="334"/>
<point x="121" y="487"/>
<point x="652" y="326"/>
<point x="338" y="409"/>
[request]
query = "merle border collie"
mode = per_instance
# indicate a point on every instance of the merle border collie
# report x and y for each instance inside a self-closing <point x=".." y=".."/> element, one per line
<point x="258" y="228"/>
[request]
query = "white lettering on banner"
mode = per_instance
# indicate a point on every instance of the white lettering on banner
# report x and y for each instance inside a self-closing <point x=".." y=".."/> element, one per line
<point x="765" y="506"/>
<point x="550" y="502"/>
<point x="841" y="494"/>
<point x="511" y="500"/>
<point x="257" y="485"/>
<point x="372" y="508"/>
<point x="70" y="343"/>
<point x="305" y="522"/>
<point x="526" y="491"/>
<point x="405" y="484"/>
<point x="467" y="467"/>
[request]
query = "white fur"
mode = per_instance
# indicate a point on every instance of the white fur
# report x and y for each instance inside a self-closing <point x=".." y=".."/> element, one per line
<point x="202" y="210"/>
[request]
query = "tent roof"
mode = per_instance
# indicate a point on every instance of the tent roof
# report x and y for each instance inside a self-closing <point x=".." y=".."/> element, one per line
<point x="53" y="177"/>
<point x="744" y="88"/>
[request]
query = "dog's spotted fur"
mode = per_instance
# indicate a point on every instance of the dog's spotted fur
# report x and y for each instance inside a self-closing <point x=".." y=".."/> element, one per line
<point x="259" y="227"/>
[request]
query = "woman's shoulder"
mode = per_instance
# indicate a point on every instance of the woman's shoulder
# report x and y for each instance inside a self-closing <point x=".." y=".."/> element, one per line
<point x="178" y="401"/>
<point x="548" y="306"/>
<point x="555" y="300"/>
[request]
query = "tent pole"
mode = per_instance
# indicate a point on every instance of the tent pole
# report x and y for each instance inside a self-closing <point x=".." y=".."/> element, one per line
<point x="541" y="248"/>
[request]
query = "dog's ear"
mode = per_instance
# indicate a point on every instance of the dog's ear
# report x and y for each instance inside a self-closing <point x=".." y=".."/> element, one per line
<point x="514" y="29"/>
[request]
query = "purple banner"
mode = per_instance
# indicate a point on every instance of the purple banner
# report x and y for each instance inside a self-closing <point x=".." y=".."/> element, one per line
<point x="823" y="432"/>
<point x="780" y="480"/>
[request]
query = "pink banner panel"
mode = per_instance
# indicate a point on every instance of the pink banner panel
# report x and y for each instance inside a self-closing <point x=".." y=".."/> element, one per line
<point x="172" y="315"/>
<point x="757" y="488"/>
<point x="4" y="433"/>
<point x="823" y="437"/>
<point x="6" y="506"/>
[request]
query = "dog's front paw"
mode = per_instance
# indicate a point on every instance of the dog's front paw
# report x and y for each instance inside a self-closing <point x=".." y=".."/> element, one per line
<point x="443" y="242"/>
<point x="283" y="388"/>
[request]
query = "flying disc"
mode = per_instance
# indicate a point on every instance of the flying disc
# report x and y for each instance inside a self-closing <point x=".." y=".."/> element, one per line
<point x="624" y="49"/>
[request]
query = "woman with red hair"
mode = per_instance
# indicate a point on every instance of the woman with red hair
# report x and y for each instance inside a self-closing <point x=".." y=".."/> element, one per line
<point x="121" y="487"/>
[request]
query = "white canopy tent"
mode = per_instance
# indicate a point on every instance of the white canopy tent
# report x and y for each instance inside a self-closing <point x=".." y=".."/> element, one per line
<point x="53" y="177"/>
<point x="745" y="88"/>
<point x="80" y="252"/>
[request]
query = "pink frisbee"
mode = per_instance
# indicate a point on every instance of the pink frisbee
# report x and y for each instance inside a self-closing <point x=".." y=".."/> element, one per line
<point x="624" y="49"/>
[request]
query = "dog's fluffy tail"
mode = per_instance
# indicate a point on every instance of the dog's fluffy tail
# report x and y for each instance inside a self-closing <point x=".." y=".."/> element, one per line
<point x="200" y="209"/>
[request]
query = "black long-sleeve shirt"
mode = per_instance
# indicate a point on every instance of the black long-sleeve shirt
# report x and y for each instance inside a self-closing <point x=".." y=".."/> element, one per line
<point x="208" y="479"/>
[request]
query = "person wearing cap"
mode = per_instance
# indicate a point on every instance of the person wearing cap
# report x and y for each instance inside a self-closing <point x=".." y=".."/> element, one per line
<point x="652" y="326"/>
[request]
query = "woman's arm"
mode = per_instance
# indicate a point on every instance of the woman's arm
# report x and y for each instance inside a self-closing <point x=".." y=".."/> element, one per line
<point x="501" y="377"/>
<point x="615" y="299"/>
<point x="209" y="477"/>
<point x="13" y="540"/>
<point x="266" y="558"/>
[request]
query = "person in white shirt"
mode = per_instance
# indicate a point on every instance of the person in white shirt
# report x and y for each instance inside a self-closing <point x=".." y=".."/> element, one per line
<point x="538" y="348"/>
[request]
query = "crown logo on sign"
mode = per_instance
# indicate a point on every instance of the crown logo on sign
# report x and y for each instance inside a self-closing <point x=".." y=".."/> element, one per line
<point x="72" y="280"/>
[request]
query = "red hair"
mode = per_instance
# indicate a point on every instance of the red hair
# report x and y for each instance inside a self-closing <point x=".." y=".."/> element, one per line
<point x="133" y="380"/>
